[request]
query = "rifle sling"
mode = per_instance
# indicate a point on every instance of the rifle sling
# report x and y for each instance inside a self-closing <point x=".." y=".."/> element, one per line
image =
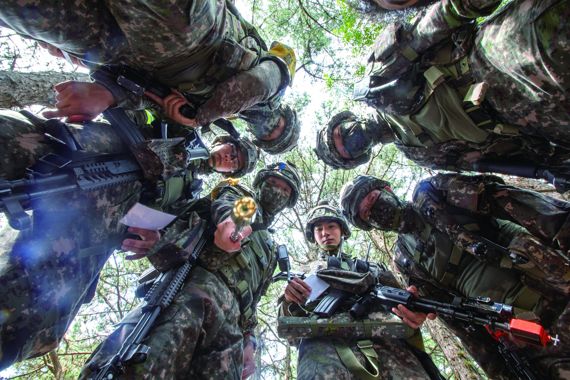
<point x="126" y="129"/>
<point x="348" y="358"/>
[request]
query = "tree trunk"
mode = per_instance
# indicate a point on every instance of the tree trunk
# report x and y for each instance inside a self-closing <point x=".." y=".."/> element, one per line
<point x="19" y="89"/>
<point x="457" y="356"/>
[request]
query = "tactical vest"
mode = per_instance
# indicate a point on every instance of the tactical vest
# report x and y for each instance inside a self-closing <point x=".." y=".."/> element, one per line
<point x="247" y="272"/>
<point x="430" y="256"/>
<point x="440" y="101"/>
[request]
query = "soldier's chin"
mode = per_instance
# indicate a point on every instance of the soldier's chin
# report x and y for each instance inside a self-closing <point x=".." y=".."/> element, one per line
<point x="329" y="247"/>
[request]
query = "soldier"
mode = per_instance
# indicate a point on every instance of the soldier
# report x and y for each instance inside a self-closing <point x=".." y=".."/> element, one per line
<point x="348" y="355"/>
<point x="53" y="268"/>
<point x="457" y="96"/>
<point x="441" y="259"/>
<point x="201" y="334"/>
<point x="206" y="51"/>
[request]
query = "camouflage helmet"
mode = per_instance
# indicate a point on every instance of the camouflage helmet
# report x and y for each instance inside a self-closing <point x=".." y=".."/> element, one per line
<point x="322" y="213"/>
<point x="354" y="192"/>
<point x="288" y="139"/>
<point x="250" y="151"/>
<point x="285" y="171"/>
<point x="326" y="149"/>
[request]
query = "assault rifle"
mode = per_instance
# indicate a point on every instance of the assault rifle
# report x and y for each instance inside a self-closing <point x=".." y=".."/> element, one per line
<point x="73" y="169"/>
<point x="559" y="177"/>
<point x="497" y="318"/>
<point x="158" y="298"/>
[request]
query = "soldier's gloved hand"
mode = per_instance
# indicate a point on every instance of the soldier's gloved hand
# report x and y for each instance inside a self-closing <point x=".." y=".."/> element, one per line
<point x="411" y="318"/>
<point x="297" y="291"/>
<point x="171" y="106"/>
<point x="148" y="238"/>
<point x="224" y="231"/>
<point x="80" y="101"/>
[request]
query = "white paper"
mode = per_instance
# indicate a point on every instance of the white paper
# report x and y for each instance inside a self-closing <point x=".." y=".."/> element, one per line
<point x="145" y="217"/>
<point x="317" y="285"/>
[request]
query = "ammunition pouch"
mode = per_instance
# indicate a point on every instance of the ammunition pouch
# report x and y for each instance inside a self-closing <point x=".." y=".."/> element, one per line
<point x="392" y="51"/>
<point x="402" y="96"/>
<point x="343" y="326"/>
<point x="348" y="281"/>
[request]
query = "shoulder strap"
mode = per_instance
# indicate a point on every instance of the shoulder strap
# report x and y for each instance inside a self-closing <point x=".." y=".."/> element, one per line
<point x="348" y="358"/>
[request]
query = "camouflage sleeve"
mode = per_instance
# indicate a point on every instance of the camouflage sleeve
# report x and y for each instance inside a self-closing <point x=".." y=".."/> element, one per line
<point x="401" y="43"/>
<point x="465" y="192"/>
<point x="444" y="17"/>
<point x="241" y="92"/>
<point x="431" y="203"/>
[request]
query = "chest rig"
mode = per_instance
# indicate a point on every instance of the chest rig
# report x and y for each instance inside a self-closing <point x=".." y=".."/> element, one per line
<point x="436" y="99"/>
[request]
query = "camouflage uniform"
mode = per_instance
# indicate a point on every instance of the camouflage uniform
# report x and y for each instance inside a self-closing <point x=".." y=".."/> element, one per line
<point x="53" y="268"/>
<point x="463" y="93"/>
<point x="202" y="48"/>
<point x="216" y="305"/>
<point x="431" y="257"/>
<point x="326" y="355"/>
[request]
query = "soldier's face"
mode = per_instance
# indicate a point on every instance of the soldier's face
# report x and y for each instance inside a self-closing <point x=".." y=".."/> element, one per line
<point x="351" y="140"/>
<point x="274" y="194"/>
<point x="226" y="158"/>
<point x="327" y="234"/>
<point x="277" y="131"/>
<point x="339" y="144"/>
<point x="381" y="209"/>
<point x="365" y="206"/>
